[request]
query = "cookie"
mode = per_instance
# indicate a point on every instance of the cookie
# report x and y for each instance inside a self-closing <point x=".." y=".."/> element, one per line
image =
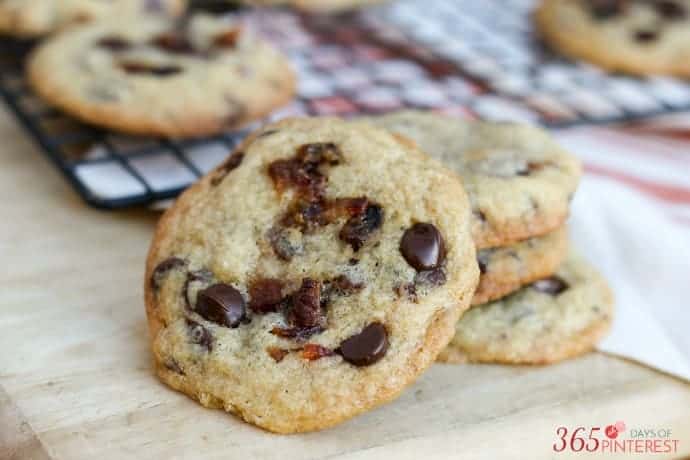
<point x="159" y="77"/>
<point x="642" y="37"/>
<point x="520" y="182"/>
<point x="316" y="6"/>
<point x="506" y="269"/>
<point x="310" y="277"/>
<point x="553" y="319"/>
<point x="34" y="18"/>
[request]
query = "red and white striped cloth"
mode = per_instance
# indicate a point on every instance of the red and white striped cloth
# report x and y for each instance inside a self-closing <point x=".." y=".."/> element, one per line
<point x="631" y="219"/>
<point x="653" y="158"/>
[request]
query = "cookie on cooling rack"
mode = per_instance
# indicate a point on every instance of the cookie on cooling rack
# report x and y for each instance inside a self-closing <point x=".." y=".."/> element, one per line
<point x="317" y="6"/>
<point x="643" y="37"/>
<point x="310" y="277"/>
<point x="519" y="180"/>
<point x="34" y="18"/>
<point x="548" y="321"/>
<point x="162" y="77"/>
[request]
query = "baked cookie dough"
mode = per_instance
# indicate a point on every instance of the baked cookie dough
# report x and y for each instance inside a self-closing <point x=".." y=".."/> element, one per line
<point x="520" y="182"/>
<point x="160" y="77"/>
<point x="553" y="319"/>
<point x="32" y="18"/>
<point x="309" y="278"/>
<point x="642" y="37"/>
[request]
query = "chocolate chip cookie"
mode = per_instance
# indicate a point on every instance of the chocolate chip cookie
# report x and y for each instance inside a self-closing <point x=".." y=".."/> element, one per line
<point x="553" y="319"/>
<point x="310" y="277"/>
<point x="642" y="37"/>
<point x="506" y="269"/>
<point x="34" y="18"/>
<point x="317" y="6"/>
<point x="519" y="180"/>
<point x="158" y="77"/>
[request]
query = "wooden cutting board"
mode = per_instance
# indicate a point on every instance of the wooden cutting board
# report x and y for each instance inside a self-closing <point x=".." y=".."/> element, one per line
<point x="76" y="379"/>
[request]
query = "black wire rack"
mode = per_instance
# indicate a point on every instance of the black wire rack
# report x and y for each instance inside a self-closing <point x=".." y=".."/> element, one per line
<point x="380" y="60"/>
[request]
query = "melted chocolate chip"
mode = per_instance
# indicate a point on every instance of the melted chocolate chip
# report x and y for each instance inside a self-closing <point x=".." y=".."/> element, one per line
<point x="199" y="335"/>
<point x="284" y="243"/>
<point x="434" y="277"/>
<point x="670" y="10"/>
<point x="305" y="311"/>
<point x="163" y="268"/>
<point x="553" y="285"/>
<point x="278" y="354"/>
<point x="606" y="9"/>
<point x="114" y="43"/>
<point x="173" y="43"/>
<point x="646" y="36"/>
<point x="174" y="366"/>
<point x="140" y="68"/>
<point x="359" y="228"/>
<point x="221" y="304"/>
<point x="228" y="165"/>
<point x="227" y="39"/>
<point x="483" y="260"/>
<point x="366" y="347"/>
<point x="313" y="351"/>
<point x="265" y="295"/>
<point x="422" y="246"/>
<point x="320" y="153"/>
<point x="202" y="276"/>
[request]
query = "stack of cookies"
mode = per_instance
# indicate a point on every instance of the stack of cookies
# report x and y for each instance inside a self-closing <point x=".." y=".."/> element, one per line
<point x="537" y="302"/>
<point x="327" y="263"/>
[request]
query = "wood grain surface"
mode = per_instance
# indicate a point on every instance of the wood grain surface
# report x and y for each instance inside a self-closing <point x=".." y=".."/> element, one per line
<point x="76" y="379"/>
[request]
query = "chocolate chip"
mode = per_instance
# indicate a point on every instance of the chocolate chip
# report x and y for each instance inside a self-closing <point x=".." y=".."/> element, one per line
<point x="114" y="43"/>
<point x="646" y="36"/>
<point x="285" y="242"/>
<point x="352" y="262"/>
<point x="670" y="10"/>
<point x="606" y="9"/>
<point x="434" y="277"/>
<point x="313" y="351"/>
<point x="163" y="268"/>
<point x="483" y="257"/>
<point x="305" y="311"/>
<point x="228" y="165"/>
<point x="173" y="43"/>
<point x="408" y="290"/>
<point x="422" y="246"/>
<point x="553" y="285"/>
<point x="174" y="366"/>
<point x="366" y="347"/>
<point x="221" y="304"/>
<point x="199" y="335"/>
<point x="278" y="354"/>
<point x="227" y="39"/>
<point x="265" y="295"/>
<point x="320" y="153"/>
<point x="140" y="68"/>
<point x="359" y="228"/>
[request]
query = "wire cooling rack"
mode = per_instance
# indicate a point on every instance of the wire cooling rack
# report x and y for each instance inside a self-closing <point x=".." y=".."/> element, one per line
<point x="471" y="59"/>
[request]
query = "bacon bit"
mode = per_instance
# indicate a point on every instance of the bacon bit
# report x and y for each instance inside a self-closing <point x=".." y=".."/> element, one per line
<point x="296" y="333"/>
<point x="278" y="354"/>
<point x="265" y="295"/>
<point x="312" y="352"/>
<point x="228" y="38"/>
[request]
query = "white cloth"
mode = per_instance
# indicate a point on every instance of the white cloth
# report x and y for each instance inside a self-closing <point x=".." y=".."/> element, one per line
<point x="646" y="257"/>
